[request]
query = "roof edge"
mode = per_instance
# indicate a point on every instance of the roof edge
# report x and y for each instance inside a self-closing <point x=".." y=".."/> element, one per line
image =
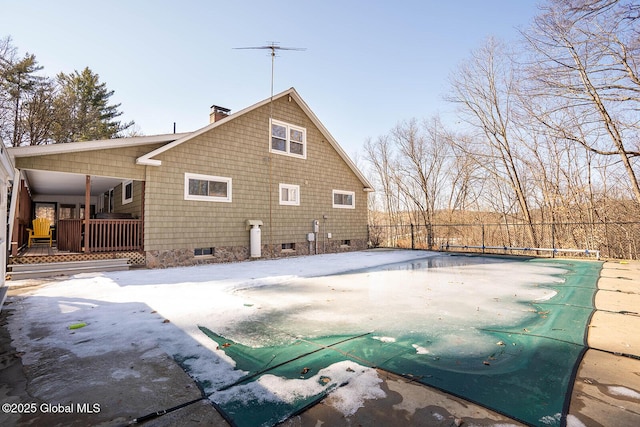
<point x="71" y="147"/>
<point x="334" y="143"/>
<point x="147" y="159"/>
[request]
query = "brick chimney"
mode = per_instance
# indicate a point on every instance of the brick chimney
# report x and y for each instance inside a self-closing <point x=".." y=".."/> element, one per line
<point x="217" y="113"/>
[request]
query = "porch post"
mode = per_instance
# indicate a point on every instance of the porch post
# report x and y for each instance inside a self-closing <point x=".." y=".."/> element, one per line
<point x="142" y="202"/>
<point x="14" y="213"/>
<point x="87" y="212"/>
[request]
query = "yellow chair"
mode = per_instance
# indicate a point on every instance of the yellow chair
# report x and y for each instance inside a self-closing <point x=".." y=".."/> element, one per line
<point x="41" y="230"/>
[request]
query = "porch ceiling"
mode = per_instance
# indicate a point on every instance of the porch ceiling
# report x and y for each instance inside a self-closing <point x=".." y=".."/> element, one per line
<point x="59" y="183"/>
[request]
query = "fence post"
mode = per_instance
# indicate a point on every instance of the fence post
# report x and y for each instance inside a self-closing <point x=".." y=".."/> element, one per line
<point x="482" y="238"/>
<point x="553" y="239"/>
<point x="413" y="242"/>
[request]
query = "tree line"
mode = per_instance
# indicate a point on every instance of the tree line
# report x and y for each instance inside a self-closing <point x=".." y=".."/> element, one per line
<point x="36" y="109"/>
<point x="548" y="129"/>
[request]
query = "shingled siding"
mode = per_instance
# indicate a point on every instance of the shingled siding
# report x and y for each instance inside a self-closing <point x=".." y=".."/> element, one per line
<point x="135" y="206"/>
<point x="115" y="162"/>
<point x="239" y="150"/>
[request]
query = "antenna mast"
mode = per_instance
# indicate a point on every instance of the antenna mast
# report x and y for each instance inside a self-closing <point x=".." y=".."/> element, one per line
<point x="273" y="47"/>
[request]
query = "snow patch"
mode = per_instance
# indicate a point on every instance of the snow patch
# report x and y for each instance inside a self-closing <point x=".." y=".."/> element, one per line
<point x="156" y="312"/>
<point x="420" y="350"/>
<point x="349" y="383"/>
<point x="120" y="374"/>
<point x="385" y="339"/>
<point x="573" y="421"/>
<point x="624" y="391"/>
<point x="551" y="420"/>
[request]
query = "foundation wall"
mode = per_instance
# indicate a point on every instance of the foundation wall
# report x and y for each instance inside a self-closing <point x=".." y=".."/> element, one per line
<point x="186" y="257"/>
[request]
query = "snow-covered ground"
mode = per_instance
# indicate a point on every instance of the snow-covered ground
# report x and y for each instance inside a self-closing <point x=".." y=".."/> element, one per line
<point x="160" y="310"/>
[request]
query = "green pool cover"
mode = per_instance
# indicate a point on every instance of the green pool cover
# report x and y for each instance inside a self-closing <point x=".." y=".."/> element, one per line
<point x="527" y="376"/>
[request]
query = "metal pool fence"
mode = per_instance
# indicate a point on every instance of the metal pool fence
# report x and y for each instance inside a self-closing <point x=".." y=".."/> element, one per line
<point x="614" y="240"/>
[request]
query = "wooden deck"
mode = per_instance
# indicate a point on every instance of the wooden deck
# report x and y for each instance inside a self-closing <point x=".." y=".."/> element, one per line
<point x="42" y="249"/>
<point x="42" y="253"/>
<point x="40" y="261"/>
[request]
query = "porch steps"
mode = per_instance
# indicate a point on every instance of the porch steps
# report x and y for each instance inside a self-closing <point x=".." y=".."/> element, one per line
<point x="49" y="269"/>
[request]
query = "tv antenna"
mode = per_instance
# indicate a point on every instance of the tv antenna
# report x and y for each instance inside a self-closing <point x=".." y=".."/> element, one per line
<point x="273" y="47"/>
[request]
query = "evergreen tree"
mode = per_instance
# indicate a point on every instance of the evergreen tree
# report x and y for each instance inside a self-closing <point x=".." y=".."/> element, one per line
<point x="82" y="110"/>
<point x="39" y="115"/>
<point x="19" y="83"/>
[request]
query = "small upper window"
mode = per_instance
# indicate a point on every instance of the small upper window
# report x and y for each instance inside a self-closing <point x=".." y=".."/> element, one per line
<point x="207" y="188"/>
<point x="288" y="139"/>
<point x="344" y="199"/>
<point x="289" y="194"/>
<point x="127" y="192"/>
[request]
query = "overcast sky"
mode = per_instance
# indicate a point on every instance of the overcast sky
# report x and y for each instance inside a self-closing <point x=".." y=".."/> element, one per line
<point x="367" y="64"/>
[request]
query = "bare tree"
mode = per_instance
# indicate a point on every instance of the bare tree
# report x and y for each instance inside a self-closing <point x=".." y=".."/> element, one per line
<point x="584" y="77"/>
<point x="464" y="180"/>
<point x="380" y="156"/>
<point x="419" y="167"/>
<point x="485" y="90"/>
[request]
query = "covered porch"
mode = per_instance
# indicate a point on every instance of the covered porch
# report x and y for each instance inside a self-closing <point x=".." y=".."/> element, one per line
<point x="91" y="217"/>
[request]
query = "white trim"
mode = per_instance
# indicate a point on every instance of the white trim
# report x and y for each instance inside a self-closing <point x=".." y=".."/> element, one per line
<point x="204" y="256"/>
<point x="187" y="196"/>
<point x="6" y="166"/>
<point x="6" y="173"/>
<point x="124" y="192"/>
<point x="148" y="162"/>
<point x="287" y="141"/>
<point x="296" y="188"/>
<point x="346" y="193"/>
<point x="105" y="144"/>
<point x="17" y="176"/>
<point x="147" y="159"/>
<point x="175" y="139"/>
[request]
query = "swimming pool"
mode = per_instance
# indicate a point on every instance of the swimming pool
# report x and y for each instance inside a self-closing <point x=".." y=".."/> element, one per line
<point x="506" y="333"/>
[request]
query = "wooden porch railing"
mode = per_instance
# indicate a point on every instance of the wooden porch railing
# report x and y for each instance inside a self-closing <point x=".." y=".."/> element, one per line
<point x="69" y="235"/>
<point x="105" y="235"/>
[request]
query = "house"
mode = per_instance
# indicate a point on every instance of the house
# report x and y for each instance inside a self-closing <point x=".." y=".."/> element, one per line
<point x="267" y="181"/>
<point x="6" y="173"/>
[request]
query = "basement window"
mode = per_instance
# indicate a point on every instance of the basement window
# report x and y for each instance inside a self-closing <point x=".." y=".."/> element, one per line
<point x="204" y="251"/>
<point x="288" y="247"/>
<point x="345" y="243"/>
<point x="288" y="139"/>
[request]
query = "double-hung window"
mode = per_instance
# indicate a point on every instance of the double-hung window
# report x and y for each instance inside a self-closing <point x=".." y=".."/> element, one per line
<point x="344" y="199"/>
<point x="288" y="139"/>
<point x="207" y="188"/>
<point x="289" y="194"/>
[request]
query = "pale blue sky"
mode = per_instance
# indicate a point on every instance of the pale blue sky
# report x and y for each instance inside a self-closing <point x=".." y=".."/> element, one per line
<point x="367" y="64"/>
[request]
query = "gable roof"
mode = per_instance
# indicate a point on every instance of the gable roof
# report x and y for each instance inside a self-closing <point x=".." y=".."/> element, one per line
<point x="148" y="159"/>
<point x="172" y="140"/>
